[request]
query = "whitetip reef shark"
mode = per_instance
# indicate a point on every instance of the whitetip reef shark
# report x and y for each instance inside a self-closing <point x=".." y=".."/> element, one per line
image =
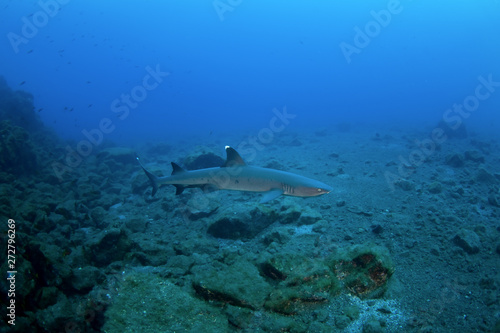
<point x="236" y="175"/>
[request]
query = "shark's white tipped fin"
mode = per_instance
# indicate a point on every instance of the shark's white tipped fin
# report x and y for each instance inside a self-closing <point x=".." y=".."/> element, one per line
<point x="233" y="158"/>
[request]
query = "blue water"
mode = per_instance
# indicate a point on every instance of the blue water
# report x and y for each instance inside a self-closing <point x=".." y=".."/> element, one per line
<point x="229" y="63"/>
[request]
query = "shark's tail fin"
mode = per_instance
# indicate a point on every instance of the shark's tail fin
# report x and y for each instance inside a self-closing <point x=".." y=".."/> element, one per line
<point x="152" y="178"/>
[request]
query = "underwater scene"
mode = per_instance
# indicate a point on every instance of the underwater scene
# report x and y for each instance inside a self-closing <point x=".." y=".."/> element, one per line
<point x="250" y="166"/>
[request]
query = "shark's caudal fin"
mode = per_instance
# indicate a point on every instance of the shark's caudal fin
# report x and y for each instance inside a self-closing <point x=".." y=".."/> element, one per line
<point x="152" y="178"/>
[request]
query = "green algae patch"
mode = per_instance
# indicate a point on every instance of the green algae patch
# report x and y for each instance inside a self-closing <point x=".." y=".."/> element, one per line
<point x="148" y="303"/>
<point x="239" y="284"/>
<point x="363" y="270"/>
<point x="301" y="284"/>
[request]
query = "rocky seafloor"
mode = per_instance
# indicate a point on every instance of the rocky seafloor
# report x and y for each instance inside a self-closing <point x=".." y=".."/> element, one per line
<point x="408" y="240"/>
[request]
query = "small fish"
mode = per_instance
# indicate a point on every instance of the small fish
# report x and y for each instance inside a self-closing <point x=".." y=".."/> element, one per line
<point x="22" y="83"/>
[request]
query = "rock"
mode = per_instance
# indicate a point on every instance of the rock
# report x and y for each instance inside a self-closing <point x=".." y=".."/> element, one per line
<point x="309" y="216"/>
<point x="474" y="156"/>
<point x="239" y="317"/>
<point x="376" y="228"/>
<point x="99" y="216"/>
<point x="342" y="321"/>
<point x="203" y="159"/>
<point x="239" y="285"/>
<point x="358" y="210"/>
<point x="118" y="154"/>
<point x="301" y="283"/>
<point x="435" y="188"/>
<point x="84" y="279"/>
<point x="363" y="270"/>
<point x="46" y="296"/>
<point x="295" y="143"/>
<point x="200" y="205"/>
<point x="136" y="224"/>
<point x="485" y="177"/>
<point x="279" y="236"/>
<point x="182" y="263"/>
<point x="352" y="312"/>
<point x="163" y="305"/>
<point x="340" y="203"/>
<point x="468" y="240"/>
<point x="67" y="209"/>
<point x="493" y="200"/>
<point x="372" y="326"/>
<point x="290" y="213"/>
<point x="17" y="152"/>
<point x="241" y="221"/>
<point x="405" y="185"/>
<point x="455" y="160"/>
<point x="108" y="245"/>
<point x="58" y="315"/>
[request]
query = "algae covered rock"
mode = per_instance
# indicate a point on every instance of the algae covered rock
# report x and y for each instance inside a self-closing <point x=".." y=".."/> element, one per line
<point x="202" y="159"/>
<point x="146" y="300"/>
<point x="455" y="160"/>
<point x="241" y="221"/>
<point x="84" y="279"/>
<point x="17" y="107"/>
<point x="363" y="270"/>
<point x="239" y="284"/>
<point x="302" y="283"/>
<point x="291" y="212"/>
<point x="17" y="154"/>
<point x="108" y="245"/>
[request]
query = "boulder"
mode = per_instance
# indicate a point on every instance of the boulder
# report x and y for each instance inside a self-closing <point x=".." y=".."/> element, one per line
<point x="202" y="159"/>
<point x="162" y="305"/>
<point x="455" y="160"/>
<point x="301" y="283"/>
<point x="474" y="156"/>
<point x="85" y="278"/>
<point x="239" y="285"/>
<point x="468" y="240"/>
<point x="118" y="154"/>
<point x="364" y="270"/>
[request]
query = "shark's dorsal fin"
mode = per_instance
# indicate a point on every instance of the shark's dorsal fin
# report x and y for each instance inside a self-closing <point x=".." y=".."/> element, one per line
<point x="176" y="169"/>
<point x="233" y="158"/>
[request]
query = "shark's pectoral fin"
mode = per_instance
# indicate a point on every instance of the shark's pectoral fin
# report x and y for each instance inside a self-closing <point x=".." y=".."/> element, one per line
<point x="270" y="195"/>
<point x="179" y="189"/>
<point x="209" y="188"/>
